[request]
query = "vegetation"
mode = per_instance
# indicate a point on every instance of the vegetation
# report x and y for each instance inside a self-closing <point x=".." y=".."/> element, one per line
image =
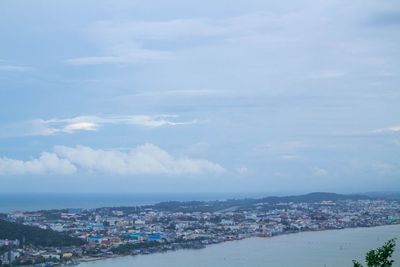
<point x="128" y="247"/>
<point x="314" y="197"/>
<point x="36" y="236"/>
<point x="212" y="206"/>
<point x="380" y="257"/>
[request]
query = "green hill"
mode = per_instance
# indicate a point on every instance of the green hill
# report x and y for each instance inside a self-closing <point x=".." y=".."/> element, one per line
<point x="190" y="206"/>
<point x="36" y="236"/>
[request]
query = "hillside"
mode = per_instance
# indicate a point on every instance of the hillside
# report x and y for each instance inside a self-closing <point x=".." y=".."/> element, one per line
<point x="36" y="236"/>
<point x="313" y="197"/>
<point x="203" y="206"/>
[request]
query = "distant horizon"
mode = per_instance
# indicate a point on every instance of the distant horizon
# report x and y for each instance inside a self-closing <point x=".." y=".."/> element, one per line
<point x="205" y="193"/>
<point x="47" y="201"/>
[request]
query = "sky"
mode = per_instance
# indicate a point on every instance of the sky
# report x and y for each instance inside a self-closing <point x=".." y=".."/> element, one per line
<point x="199" y="96"/>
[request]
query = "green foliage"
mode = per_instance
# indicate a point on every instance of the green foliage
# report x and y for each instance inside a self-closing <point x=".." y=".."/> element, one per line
<point x="380" y="257"/>
<point x="36" y="236"/>
<point x="126" y="248"/>
<point x="211" y="206"/>
<point x="129" y="247"/>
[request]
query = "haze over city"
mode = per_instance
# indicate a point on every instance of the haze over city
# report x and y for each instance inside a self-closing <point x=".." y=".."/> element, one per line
<point x="199" y="96"/>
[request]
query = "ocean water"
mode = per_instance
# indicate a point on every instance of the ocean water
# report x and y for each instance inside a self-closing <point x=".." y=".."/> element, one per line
<point x="336" y="248"/>
<point x="31" y="202"/>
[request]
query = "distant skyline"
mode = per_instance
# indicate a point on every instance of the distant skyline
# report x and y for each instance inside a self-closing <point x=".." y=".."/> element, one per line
<point x="199" y="96"/>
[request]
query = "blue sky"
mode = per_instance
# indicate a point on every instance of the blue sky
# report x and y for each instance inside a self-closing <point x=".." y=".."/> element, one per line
<point x="199" y="96"/>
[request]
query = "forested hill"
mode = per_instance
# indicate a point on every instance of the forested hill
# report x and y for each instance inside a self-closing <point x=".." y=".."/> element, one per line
<point x="313" y="197"/>
<point x="36" y="236"/>
<point x="243" y="203"/>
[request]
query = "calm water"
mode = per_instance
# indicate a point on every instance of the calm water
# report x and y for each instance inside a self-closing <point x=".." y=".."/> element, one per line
<point x="309" y="249"/>
<point x="32" y="202"/>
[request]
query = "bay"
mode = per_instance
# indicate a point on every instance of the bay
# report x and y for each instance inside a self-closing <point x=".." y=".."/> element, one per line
<point x="335" y="248"/>
<point x="45" y="201"/>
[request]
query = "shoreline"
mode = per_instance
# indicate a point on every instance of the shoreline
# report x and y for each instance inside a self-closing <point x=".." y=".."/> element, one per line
<point x="94" y="259"/>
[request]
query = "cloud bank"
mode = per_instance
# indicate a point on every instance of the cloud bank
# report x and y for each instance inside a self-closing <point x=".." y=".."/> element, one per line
<point x="125" y="41"/>
<point x="391" y="129"/>
<point x="14" y="68"/>
<point x="86" y="123"/>
<point x="47" y="163"/>
<point x="146" y="159"/>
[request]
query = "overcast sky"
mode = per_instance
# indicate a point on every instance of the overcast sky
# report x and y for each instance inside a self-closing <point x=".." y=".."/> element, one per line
<point x="199" y="96"/>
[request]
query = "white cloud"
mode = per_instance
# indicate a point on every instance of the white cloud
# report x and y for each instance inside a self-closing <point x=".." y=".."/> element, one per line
<point x="391" y="129"/>
<point x="144" y="159"/>
<point x="46" y="163"/>
<point x="14" y="68"/>
<point x="131" y="57"/>
<point x="145" y="120"/>
<point x="380" y="131"/>
<point x="86" y="123"/>
<point x="122" y="56"/>
<point x="80" y="126"/>
<point x="124" y="42"/>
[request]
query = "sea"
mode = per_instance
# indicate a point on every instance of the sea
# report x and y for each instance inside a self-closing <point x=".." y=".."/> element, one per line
<point x="333" y="248"/>
<point x="45" y="201"/>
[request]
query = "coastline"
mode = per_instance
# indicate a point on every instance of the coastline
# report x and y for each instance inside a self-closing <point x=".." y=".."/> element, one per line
<point x="329" y="248"/>
<point x="102" y="258"/>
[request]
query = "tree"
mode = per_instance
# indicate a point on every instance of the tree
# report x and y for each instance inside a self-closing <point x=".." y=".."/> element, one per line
<point x="380" y="257"/>
<point x="36" y="236"/>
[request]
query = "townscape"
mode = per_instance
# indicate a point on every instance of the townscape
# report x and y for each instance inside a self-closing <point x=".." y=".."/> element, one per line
<point x="109" y="232"/>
